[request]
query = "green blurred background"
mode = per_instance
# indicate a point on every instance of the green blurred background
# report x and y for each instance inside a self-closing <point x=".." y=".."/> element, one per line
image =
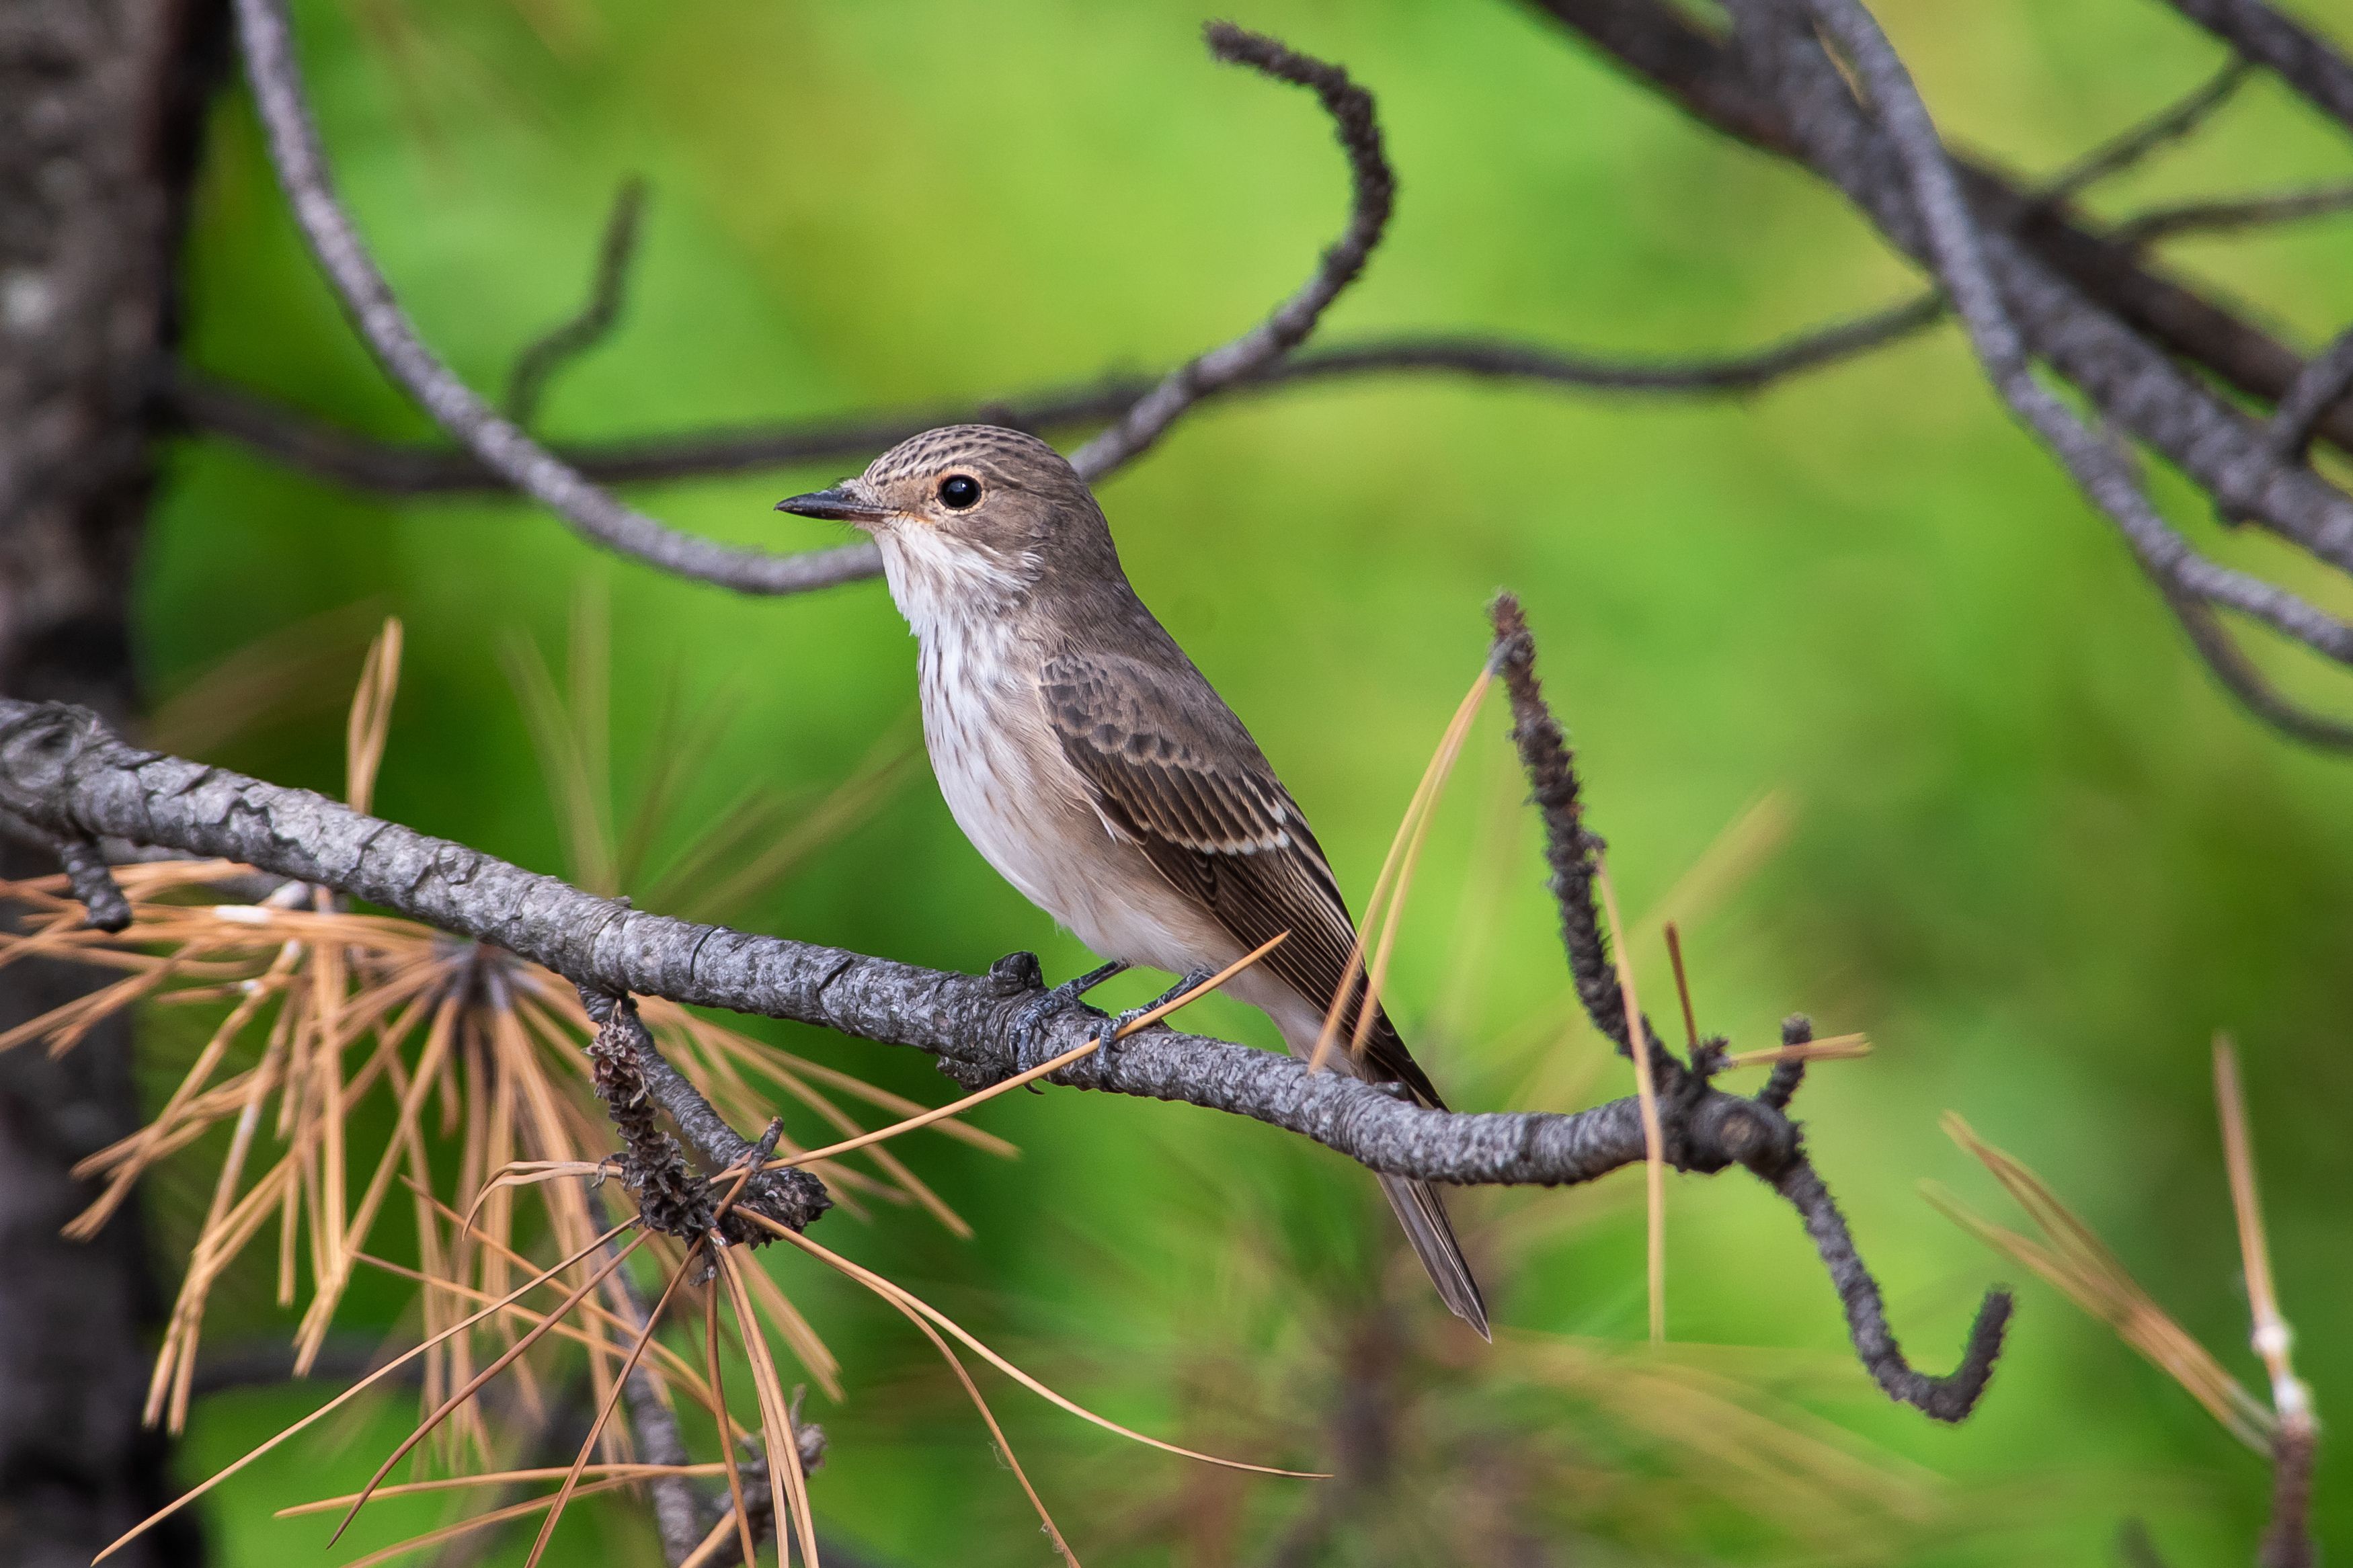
<point x="2029" y="849"/>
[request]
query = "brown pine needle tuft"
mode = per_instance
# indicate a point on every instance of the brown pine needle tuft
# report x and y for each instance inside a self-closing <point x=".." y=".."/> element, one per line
<point x="1384" y="910"/>
<point x="2074" y="1259"/>
<point x="370" y="725"/>
<point x="473" y="1386"/>
<point x="356" y="1389"/>
<point x="1654" y="1165"/>
<point x="604" y="1412"/>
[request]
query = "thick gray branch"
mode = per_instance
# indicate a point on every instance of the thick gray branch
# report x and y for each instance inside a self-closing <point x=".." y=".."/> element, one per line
<point x="65" y="771"/>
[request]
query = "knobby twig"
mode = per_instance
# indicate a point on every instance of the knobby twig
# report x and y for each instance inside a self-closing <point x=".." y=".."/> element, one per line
<point x="1685" y="1098"/>
<point x="633" y="1077"/>
<point x="266" y="38"/>
<point x="1372" y="192"/>
<point x="537" y="364"/>
<point x="62" y="770"/>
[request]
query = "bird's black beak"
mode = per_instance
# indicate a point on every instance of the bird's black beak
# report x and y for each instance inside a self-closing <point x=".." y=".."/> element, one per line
<point x="839" y="504"/>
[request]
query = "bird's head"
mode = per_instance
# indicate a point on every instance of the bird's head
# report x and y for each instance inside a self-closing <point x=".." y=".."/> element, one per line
<point x="974" y="512"/>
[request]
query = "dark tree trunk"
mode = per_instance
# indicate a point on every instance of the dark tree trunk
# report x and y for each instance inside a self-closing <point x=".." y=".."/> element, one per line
<point x="101" y="105"/>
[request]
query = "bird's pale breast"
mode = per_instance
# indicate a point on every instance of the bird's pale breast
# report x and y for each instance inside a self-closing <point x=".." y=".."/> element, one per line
<point x="1033" y="816"/>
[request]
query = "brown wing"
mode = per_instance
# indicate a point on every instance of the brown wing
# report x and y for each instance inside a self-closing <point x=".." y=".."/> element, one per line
<point x="1175" y="772"/>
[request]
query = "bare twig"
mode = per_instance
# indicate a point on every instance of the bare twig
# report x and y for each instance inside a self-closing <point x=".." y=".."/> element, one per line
<point x="2327" y="378"/>
<point x="2287" y="48"/>
<point x="2134" y="144"/>
<point x="537" y="364"/>
<point x="2223" y="215"/>
<point x="1373" y="189"/>
<point x="266" y="38"/>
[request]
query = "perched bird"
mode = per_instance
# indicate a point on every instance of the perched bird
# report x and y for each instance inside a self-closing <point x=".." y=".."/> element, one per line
<point x="1099" y="772"/>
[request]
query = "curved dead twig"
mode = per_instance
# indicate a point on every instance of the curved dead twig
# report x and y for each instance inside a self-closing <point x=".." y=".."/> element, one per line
<point x="1373" y="191"/>
<point x="266" y="38"/>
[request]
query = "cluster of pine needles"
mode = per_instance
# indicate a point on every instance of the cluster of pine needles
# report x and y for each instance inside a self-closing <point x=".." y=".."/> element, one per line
<point x="364" y="1065"/>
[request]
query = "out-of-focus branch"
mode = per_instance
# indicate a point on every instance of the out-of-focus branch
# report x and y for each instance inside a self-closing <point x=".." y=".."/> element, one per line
<point x="2245" y="679"/>
<point x="2097" y="296"/>
<point x="537" y="364"/>
<point x="1372" y="191"/>
<point x="2136" y="143"/>
<point x="266" y="38"/>
<point x="311" y="446"/>
<point x="1958" y="252"/>
<point x="2296" y="55"/>
<point x="2223" y="215"/>
<point x="2325" y="381"/>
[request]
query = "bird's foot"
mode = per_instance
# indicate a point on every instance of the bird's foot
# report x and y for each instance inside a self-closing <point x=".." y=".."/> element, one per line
<point x="1034" y="1013"/>
<point x="1122" y="1023"/>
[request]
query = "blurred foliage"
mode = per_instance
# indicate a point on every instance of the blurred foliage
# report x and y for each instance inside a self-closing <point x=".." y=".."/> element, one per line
<point x="2033" y="853"/>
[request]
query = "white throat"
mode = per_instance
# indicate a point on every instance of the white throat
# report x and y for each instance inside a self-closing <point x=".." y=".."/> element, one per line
<point x="943" y="588"/>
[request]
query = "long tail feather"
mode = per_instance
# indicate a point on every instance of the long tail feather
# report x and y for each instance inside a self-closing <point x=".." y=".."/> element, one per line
<point x="1423" y="1214"/>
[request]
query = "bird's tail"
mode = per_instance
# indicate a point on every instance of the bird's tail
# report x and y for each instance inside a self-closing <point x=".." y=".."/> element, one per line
<point x="1423" y="1214"/>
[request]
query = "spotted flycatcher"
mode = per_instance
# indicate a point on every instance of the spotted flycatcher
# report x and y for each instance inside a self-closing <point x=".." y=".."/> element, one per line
<point x="1099" y="772"/>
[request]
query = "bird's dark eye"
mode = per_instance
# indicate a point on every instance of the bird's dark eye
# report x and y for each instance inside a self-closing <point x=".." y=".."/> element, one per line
<point x="958" y="491"/>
